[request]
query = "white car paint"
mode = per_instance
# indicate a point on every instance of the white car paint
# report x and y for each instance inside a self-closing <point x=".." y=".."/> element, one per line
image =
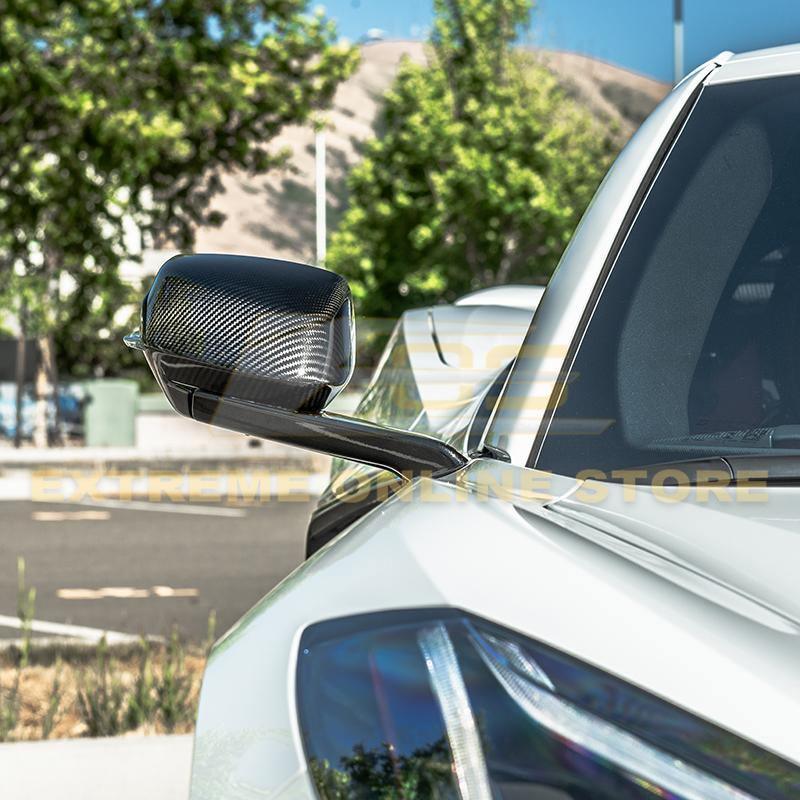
<point x="611" y="602"/>
<point x="696" y="602"/>
<point x="456" y="351"/>
<point x="511" y="296"/>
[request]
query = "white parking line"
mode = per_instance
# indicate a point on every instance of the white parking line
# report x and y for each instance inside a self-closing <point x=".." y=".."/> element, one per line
<point x="125" y="593"/>
<point x="115" y="592"/>
<point x="169" y="508"/>
<point x="168" y="591"/>
<point x="81" y="632"/>
<point x="70" y="516"/>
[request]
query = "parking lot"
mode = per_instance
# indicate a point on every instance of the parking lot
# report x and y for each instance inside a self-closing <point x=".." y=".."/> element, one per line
<point x="140" y="568"/>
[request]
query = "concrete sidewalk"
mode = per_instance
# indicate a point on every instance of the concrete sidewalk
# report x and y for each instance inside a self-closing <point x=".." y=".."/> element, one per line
<point x="125" y="768"/>
<point x="191" y="454"/>
<point x="180" y="485"/>
<point x="67" y="474"/>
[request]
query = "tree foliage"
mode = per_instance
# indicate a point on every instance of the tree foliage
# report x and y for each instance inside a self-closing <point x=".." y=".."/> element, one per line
<point x="116" y="119"/>
<point x="382" y="774"/>
<point x="479" y="174"/>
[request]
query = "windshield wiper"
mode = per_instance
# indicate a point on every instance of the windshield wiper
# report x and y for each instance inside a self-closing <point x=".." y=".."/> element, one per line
<point x="772" y="468"/>
<point x="767" y="468"/>
<point x="684" y="472"/>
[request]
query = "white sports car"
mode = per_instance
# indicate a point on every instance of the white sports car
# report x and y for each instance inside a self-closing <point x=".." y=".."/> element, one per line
<point x="586" y="585"/>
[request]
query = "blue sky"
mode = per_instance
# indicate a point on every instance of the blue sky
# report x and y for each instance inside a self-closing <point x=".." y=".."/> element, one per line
<point x="633" y="33"/>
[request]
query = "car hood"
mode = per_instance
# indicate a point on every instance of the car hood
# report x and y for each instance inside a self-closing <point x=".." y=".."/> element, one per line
<point x="745" y="542"/>
<point x="616" y="585"/>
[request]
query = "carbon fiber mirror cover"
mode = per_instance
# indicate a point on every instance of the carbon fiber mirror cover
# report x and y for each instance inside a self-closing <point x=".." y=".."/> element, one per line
<point x="274" y="332"/>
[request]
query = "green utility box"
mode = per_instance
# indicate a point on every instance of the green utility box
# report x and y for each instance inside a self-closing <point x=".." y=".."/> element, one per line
<point x="154" y="403"/>
<point x="110" y="414"/>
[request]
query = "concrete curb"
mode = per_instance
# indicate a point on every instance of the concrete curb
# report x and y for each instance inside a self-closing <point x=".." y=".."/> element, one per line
<point x="125" y="768"/>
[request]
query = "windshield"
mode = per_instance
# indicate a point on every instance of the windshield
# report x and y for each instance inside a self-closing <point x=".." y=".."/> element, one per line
<point x="694" y="347"/>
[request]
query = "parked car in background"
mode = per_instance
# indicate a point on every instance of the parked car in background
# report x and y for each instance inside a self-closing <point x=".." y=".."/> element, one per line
<point x="596" y="597"/>
<point x="64" y="414"/>
<point x="440" y="374"/>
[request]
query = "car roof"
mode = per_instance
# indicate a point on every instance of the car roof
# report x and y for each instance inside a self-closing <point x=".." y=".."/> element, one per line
<point x="757" y="64"/>
<point x="512" y="296"/>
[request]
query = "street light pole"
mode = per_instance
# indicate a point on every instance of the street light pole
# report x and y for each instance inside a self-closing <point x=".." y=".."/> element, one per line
<point x="20" y="374"/>
<point x="678" y="39"/>
<point x="321" y="197"/>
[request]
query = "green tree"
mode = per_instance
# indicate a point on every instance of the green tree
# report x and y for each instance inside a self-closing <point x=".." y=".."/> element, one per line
<point x="116" y="119"/>
<point x="92" y="318"/>
<point x="479" y="174"/>
<point x="383" y="774"/>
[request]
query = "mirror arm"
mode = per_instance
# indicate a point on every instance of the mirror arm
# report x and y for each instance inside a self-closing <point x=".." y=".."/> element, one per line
<point x="405" y="453"/>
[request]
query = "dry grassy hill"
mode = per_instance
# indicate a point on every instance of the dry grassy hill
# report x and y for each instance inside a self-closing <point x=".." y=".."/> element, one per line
<point x="273" y="215"/>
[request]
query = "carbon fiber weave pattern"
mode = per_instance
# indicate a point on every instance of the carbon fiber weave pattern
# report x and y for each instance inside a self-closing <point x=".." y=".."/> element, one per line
<point x="254" y="316"/>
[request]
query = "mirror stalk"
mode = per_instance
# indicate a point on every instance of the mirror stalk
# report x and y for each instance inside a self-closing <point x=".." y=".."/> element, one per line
<point x="261" y="347"/>
<point x="405" y="453"/>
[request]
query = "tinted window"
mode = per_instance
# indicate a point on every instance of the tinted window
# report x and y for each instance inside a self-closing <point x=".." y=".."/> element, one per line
<point x="694" y="347"/>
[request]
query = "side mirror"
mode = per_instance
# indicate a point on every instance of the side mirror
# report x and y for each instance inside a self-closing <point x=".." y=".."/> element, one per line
<point x="272" y="332"/>
<point x="261" y="346"/>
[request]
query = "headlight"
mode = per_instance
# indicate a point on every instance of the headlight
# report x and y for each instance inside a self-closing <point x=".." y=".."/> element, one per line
<point x="441" y="704"/>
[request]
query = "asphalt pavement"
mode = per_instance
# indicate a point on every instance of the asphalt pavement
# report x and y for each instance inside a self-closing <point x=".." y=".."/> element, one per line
<point x="140" y="568"/>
